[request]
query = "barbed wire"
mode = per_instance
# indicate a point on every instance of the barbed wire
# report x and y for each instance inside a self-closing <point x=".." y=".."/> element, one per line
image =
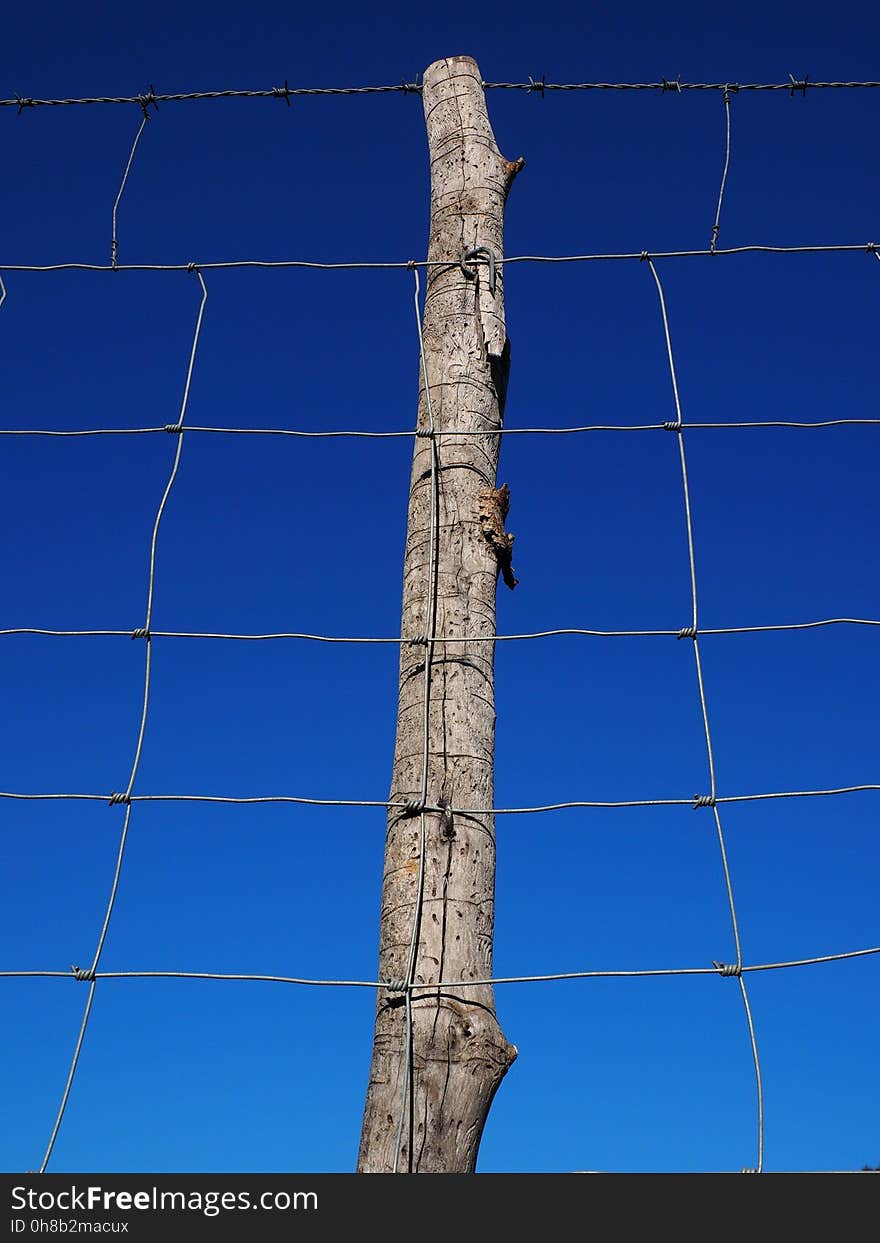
<point x="794" y="86"/>
<point x="152" y="98"/>
<point x="533" y="86"/>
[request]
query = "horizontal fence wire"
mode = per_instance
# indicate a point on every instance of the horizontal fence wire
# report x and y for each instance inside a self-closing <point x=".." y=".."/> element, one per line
<point x="352" y="265"/>
<point x="682" y="633"/>
<point x="533" y="86"/>
<point x="695" y="801"/>
<point x="367" y="434"/>
<point x="430" y="989"/>
<point x="712" y="799"/>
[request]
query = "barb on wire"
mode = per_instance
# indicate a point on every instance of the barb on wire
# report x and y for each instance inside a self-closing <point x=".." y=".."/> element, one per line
<point x="711" y="799"/>
<point x="114" y="243"/>
<point x="126" y="798"/>
<point x="149" y="100"/>
<point x="282" y="92"/>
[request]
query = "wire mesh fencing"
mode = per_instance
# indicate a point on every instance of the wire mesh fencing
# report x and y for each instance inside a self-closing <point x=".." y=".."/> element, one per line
<point x="713" y="797"/>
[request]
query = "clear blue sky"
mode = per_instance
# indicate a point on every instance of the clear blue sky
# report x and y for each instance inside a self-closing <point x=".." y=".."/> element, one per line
<point x="265" y="535"/>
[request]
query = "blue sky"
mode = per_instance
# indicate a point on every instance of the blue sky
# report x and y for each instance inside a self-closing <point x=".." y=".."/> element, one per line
<point x="294" y="535"/>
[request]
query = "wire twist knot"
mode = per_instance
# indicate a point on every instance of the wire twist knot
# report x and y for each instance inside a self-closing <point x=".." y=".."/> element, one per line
<point x="282" y="92"/>
<point x="537" y="87"/>
<point x="644" y="257"/>
<point x="397" y="986"/>
<point x="148" y="100"/>
<point x="728" y="968"/>
<point x="119" y="798"/>
<point x="799" y="84"/>
<point x="687" y="632"/>
<point x="674" y="85"/>
<point x="173" y="427"/>
<point x="704" y="800"/>
<point x="82" y="973"/>
<point x="142" y="632"/>
<point x="669" y="426"/>
<point x="420" y="640"/>
<point x="414" y="807"/>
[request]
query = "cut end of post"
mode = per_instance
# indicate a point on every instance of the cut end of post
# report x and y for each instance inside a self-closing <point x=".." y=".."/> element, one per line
<point x="447" y="62"/>
<point x="457" y="81"/>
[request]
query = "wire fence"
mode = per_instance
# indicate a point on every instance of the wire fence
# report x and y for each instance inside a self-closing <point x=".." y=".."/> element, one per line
<point x="532" y="86"/>
<point x="712" y="797"/>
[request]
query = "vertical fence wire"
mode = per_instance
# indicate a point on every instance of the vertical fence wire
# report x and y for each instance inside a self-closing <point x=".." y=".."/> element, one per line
<point x="114" y="243"/>
<point x="709" y="800"/>
<point x="716" y="227"/>
<point x="89" y="973"/>
<point x="428" y="642"/>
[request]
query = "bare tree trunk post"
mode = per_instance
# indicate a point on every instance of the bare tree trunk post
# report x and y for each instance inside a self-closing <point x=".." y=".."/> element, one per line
<point x="428" y="1097"/>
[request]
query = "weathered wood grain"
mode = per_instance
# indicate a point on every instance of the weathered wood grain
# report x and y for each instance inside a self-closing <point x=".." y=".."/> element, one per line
<point x="460" y="1054"/>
